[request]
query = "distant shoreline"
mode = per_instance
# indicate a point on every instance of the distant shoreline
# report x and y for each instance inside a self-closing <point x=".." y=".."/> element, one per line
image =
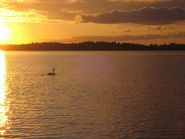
<point x="92" y="46"/>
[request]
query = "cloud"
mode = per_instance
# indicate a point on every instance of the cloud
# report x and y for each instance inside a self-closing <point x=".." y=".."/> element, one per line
<point x="130" y="37"/>
<point x="12" y="16"/>
<point x="147" y="16"/>
<point x="69" y="9"/>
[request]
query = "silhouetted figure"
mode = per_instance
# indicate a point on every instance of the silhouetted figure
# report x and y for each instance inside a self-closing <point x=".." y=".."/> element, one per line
<point x="52" y="73"/>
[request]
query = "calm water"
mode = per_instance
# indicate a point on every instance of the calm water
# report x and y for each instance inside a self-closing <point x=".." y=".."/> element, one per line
<point x="95" y="95"/>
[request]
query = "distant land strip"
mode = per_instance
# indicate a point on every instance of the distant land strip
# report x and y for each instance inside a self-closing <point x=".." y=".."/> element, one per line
<point x="90" y="46"/>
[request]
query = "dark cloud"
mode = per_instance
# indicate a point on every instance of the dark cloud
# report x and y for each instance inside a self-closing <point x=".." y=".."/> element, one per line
<point x="150" y="16"/>
<point x="130" y="37"/>
<point x="68" y="9"/>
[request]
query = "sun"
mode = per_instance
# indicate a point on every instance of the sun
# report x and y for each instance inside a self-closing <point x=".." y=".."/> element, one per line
<point x="4" y="33"/>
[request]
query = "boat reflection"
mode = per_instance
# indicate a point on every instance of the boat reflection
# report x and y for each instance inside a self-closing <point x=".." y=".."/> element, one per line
<point x="3" y="103"/>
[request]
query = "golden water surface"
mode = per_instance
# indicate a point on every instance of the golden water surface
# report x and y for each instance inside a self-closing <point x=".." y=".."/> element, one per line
<point x="94" y="95"/>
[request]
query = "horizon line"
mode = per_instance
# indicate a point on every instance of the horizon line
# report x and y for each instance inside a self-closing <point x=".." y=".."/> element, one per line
<point x="118" y="42"/>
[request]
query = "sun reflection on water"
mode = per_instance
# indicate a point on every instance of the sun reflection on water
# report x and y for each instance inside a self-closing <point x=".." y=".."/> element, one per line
<point x="3" y="103"/>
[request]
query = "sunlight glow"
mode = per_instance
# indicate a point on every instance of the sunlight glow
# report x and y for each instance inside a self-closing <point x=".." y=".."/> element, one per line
<point x="4" y="33"/>
<point x="3" y="106"/>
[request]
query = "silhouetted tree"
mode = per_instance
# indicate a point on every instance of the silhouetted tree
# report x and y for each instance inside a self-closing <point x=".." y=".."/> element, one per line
<point x="90" y="46"/>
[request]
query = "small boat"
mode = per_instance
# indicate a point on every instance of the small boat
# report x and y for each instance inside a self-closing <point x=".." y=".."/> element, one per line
<point x="51" y="73"/>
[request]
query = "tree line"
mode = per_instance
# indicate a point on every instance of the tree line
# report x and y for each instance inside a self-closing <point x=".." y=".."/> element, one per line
<point x="90" y="46"/>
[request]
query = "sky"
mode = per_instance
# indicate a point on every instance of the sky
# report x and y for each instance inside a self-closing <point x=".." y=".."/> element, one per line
<point x="135" y="21"/>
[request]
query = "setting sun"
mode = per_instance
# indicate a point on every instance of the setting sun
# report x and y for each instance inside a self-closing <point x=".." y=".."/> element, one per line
<point x="4" y="33"/>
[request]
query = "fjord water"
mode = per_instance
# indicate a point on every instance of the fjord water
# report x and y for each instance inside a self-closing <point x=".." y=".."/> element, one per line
<point x="94" y="95"/>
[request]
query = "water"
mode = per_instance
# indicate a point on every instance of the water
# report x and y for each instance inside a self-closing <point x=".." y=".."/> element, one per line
<point x="95" y="95"/>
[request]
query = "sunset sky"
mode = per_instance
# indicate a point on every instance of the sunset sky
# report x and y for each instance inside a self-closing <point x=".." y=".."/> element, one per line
<point x="138" y="21"/>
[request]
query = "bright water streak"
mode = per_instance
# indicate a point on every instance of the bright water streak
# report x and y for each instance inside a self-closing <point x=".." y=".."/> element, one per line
<point x="3" y="105"/>
<point x="94" y="95"/>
